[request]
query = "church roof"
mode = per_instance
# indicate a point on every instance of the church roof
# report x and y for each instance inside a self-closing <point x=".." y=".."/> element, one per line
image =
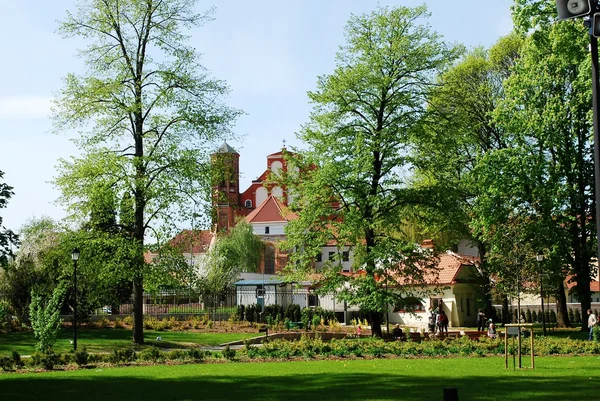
<point x="270" y="211"/>
<point x="225" y="148"/>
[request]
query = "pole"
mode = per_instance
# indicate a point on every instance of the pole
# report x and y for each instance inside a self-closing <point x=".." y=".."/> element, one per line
<point x="596" y="124"/>
<point x="542" y="297"/>
<point x="519" y="315"/>
<point x="75" y="305"/>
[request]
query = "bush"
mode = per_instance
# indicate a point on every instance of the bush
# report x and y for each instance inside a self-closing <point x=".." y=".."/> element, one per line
<point x="47" y="360"/>
<point x="151" y="354"/>
<point x="45" y="318"/>
<point x="81" y="357"/>
<point x="6" y="313"/>
<point x="229" y="353"/>
<point x="196" y="354"/>
<point x="6" y="363"/>
<point x="293" y="312"/>
<point x="16" y="357"/>
<point x="123" y="355"/>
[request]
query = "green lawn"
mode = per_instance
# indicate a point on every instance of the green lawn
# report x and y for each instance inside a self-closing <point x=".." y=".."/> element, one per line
<point x="104" y="340"/>
<point x="555" y="378"/>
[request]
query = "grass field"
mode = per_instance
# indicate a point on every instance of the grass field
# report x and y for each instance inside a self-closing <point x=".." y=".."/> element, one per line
<point x="555" y="378"/>
<point x="104" y="340"/>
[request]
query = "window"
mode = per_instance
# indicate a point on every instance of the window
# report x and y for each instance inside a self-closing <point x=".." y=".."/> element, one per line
<point x="267" y="230"/>
<point x="319" y="257"/>
<point x="331" y="255"/>
<point x="248" y="203"/>
<point x="345" y="256"/>
<point x="313" y="300"/>
<point x="468" y="306"/>
<point x="269" y="260"/>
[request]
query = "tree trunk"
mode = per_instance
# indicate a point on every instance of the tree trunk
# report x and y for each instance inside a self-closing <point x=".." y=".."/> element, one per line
<point x="375" y="318"/>
<point x="562" y="314"/>
<point x="138" y="311"/>
<point x="505" y="310"/>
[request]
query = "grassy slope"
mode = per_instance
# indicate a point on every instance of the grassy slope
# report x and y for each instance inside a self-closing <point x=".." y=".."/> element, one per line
<point x="558" y="378"/>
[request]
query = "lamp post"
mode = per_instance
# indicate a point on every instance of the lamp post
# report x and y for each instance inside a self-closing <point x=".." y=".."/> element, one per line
<point x="75" y="258"/>
<point x="540" y="258"/>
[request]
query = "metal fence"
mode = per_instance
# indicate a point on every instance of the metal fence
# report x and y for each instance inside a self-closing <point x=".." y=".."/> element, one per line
<point x="224" y="304"/>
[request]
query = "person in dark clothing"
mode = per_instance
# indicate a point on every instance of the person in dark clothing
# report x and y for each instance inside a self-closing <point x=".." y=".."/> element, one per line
<point x="397" y="333"/>
<point x="443" y="322"/>
<point x="480" y="320"/>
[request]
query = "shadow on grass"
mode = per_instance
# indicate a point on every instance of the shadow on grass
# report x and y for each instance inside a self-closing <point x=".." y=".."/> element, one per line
<point x="333" y="386"/>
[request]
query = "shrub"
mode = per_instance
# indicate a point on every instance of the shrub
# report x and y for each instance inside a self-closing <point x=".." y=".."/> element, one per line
<point x="123" y="355"/>
<point x="45" y="318"/>
<point x="119" y="323"/>
<point x="151" y="354"/>
<point x="6" y="313"/>
<point x="577" y="316"/>
<point x="293" y="312"/>
<point x="229" y="353"/>
<point x="47" y="360"/>
<point x="6" y="363"/>
<point x="528" y="316"/>
<point x="81" y="357"/>
<point x="196" y="354"/>
<point x="596" y="333"/>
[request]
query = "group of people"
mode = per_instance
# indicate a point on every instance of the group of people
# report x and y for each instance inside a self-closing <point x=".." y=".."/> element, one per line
<point x="438" y="321"/>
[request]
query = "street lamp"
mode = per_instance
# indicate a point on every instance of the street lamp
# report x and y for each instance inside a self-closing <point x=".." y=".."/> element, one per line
<point x="540" y="258"/>
<point x="75" y="258"/>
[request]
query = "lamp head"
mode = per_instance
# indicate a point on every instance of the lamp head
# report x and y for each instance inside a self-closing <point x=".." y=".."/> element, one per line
<point x="75" y="254"/>
<point x="539" y="257"/>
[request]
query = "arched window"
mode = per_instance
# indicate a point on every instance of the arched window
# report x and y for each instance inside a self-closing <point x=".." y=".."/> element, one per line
<point x="248" y="203"/>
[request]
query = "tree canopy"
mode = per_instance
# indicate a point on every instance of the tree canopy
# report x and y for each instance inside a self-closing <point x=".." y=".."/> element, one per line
<point x="7" y="237"/>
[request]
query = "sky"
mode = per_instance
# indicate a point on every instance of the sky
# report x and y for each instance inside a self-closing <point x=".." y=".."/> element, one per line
<point x="270" y="52"/>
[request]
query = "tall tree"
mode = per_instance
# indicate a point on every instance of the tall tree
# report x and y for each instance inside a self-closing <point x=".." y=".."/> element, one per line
<point x="149" y="113"/>
<point x="458" y="130"/>
<point x="7" y="237"/>
<point x="352" y="188"/>
<point x="547" y="108"/>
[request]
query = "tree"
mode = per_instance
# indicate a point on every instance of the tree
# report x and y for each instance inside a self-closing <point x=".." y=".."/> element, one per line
<point x="351" y="189"/>
<point x="547" y="110"/>
<point x="458" y="130"/>
<point x="149" y="112"/>
<point x="7" y="237"/>
<point x="234" y="253"/>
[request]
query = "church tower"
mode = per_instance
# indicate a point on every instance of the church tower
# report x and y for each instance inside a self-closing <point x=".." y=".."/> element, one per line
<point x="225" y="164"/>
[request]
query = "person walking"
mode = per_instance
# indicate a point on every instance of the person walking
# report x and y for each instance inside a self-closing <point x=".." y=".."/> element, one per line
<point x="592" y="320"/>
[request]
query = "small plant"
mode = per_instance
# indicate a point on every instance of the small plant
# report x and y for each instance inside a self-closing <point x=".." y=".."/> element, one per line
<point x="150" y="354"/>
<point x="119" y="324"/>
<point x="45" y="318"/>
<point x="81" y="357"/>
<point x="123" y="355"/>
<point x="196" y="354"/>
<point x="229" y="353"/>
<point x="6" y="363"/>
<point x="47" y="360"/>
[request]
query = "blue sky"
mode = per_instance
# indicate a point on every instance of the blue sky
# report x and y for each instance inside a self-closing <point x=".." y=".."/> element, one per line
<point x="269" y="52"/>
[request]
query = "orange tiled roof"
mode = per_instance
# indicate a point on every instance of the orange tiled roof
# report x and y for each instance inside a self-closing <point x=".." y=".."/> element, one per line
<point x="594" y="285"/>
<point x="270" y="211"/>
<point x="198" y="241"/>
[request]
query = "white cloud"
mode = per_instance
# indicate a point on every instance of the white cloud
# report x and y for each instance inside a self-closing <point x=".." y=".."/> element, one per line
<point x="25" y="106"/>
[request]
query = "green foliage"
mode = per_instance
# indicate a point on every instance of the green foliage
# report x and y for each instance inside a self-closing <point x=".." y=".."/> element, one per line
<point x="239" y="251"/>
<point x="8" y="239"/>
<point x="352" y="190"/>
<point x="229" y="353"/>
<point x="45" y="318"/>
<point x="151" y="354"/>
<point x="293" y="312"/>
<point x="47" y="359"/>
<point x="125" y="355"/>
<point x="596" y="332"/>
<point x="81" y="357"/>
